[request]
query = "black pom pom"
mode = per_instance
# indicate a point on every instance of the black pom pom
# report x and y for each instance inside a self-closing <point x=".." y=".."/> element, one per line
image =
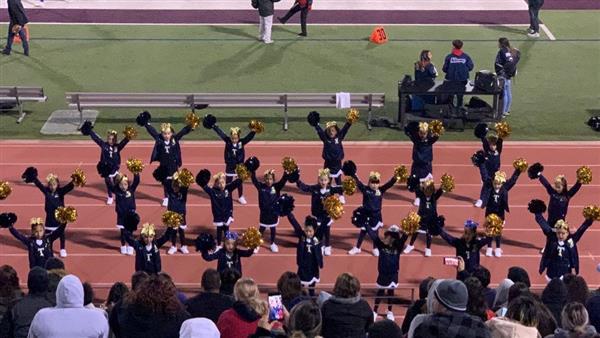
<point x="293" y="177"/>
<point x="86" y="128"/>
<point x="349" y="168"/>
<point x="310" y="221"/>
<point x="252" y="163"/>
<point x="160" y="174"/>
<point x="411" y="128"/>
<point x="132" y="220"/>
<point x="438" y="225"/>
<point x="209" y="121"/>
<point x="478" y="158"/>
<point x="360" y="217"/>
<point x="536" y="206"/>
<point x="413" y="183"/>
<point x="29" y="175"/>
<point x="143" y="118"/>
<point x="205" y="242"/>
<point x="313" y="118"/>
<point x="200" y="106"/>
<point x="535" y="170"/>
<point x="203" y="177"/>
<point x="7" y="219"/>
<point x="481" y="130"/>
<point x="104" y="169"/>
<point x="286" y="205"/>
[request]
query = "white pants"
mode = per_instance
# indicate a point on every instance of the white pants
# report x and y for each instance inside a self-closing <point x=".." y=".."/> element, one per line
<point x="264" y="29"/>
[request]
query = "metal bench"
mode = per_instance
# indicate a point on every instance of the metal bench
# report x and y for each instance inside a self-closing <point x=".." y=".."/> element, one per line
<point x="285" y="101"/>
<point x="20" y="95"/>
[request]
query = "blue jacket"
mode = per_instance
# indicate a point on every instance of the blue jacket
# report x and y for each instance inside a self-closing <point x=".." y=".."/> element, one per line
<point x="559" y="202"/>
<point x="268" y="198"/>
<point x="148" y="260"/>
<point x="38" y="253"/>
<point x="373" y="199"/>
<point x="317" y="197"/>
<point x="422" y="152"/>
<point x="110" y="154"/>
<point x="428" y="73"/>
<point x="468" y="251"/>
<point x="221" y="202"/>
<point x="388" y="263"/>
<point x="125" y="200"/>
<point x="53" y="200"/>
<point x="457" y="66"/>
<point x="496" y="202"/>
<point x="234" y="153"/>
<point x="506" y="63"/>
<point x="227" y="261"/>
<point x="309" y="256"/>
<point x="177" y="200"/>
<point x="167" y="154"/>
<point x="333" y="150"/>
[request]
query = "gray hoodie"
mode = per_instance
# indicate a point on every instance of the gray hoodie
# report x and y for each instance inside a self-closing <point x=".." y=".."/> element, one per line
<point x="69" y="319"/>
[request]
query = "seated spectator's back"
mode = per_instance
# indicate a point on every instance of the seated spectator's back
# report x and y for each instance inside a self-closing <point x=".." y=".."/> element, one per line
<point x="209" y="303"/>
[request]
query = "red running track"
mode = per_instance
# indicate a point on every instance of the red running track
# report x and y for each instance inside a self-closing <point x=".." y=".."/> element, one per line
<point x="92" y="241"/>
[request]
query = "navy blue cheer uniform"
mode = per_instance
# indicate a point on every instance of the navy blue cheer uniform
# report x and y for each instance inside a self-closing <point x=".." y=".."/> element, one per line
<point x="333" y="151"/>
<point x="424" y="76"/>
<point x="177" y="203"/>
<point x="147" y="257"/>
<point x="234" y="154"/>
<point x="227" y="260"/>
<point x="491" y="165"/>
<point x="371" y="203"/>
<point x="457" y="66"/>
<point x="469" y="251"/>
<point x="428" y="213"/>
<point x="559" y="201"/>
<point x="268" y="198"/>
<point x="53" y="201"/>
<point x="125" y="203"/>
<point x="309" y="256"/>
<point x="422" y="154"/>
<point x="221" y="204"/>
<point x="110" y="155"/>
<point x="317" y="209"/>
<point x="559" y="257"/>
<point x="496" y="201"/>
<point x="39" y="249"/>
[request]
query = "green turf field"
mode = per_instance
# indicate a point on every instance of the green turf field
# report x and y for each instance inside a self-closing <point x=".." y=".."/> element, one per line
<point x="557" y="89"/>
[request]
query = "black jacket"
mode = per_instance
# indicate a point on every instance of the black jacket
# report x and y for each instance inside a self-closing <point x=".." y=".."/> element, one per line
<point x="135" y="322"/>
<point x="208" y="305"/>
<point x="17" y="320"/>
<point x="346" y="318"/>
<point x="16" y="13"/>
<point x="265" y="7"/>
<point x="148" y="260"/>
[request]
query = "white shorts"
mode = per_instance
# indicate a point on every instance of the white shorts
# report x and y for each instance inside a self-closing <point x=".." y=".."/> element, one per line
<point x="119" y="226"/>
<point x="328" y="223"/>
<point x="428" y="177"/>
<point x="268" y="225"/>
<point x="113" y="174"/>
<point x="336" y="175"/>
<point x="50" y="229"/>
<point x="314" y="280"/>
<point x="220" y="224"/>
<point x="375" y="228"/>
<point x="391" y="286"/>
<point x="231" y="175"/>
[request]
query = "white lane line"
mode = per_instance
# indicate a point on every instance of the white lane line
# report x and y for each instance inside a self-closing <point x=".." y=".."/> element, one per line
<point x="548" y="32"/>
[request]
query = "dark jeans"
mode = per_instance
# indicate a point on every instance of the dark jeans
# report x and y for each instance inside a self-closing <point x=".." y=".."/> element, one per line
<point x="534" y="11"/>
<point x="11" y="37"/>
<point x="303" y="14"/>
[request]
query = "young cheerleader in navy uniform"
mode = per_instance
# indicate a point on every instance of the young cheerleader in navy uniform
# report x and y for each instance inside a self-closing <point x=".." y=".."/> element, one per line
<point x="468" y="245"/>
<point x="124" y="205"/>
<point x="489" y="158"/>
<point x="309" y="255"/>
<point x="422" y="153"/>
<point x="428" y="196"/>
<point x="319" y="192"/>
<point x="333" y="150"/>
<point x="560" y="195"/>
<point x="54" y="196"/>
<point x="228" y="257"/>
<point x="388" y="264"/>
<point x="177" y="194"/>
<point x="166" y="150"/>
<point x="39" y="244"/>
<point x="147" y="248"/>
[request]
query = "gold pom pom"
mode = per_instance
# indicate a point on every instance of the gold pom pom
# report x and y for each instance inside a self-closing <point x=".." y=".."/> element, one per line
<point x="172" y="219"/>
<point x="251" y="238"/>
<point x="242" y="172"/>
<point x="256" y="126"/>
<point x="289" y="165"/>
<point x="411" y="223"/>
<point x="436" y="127"/>
<point x="192" y="120"/>
<point x="584" y="175"/>
<point x="493" y="225"/>
<point x="135" y="165"/>
<point x="401" y="174"/>
<point x="349" y="186"/>
<point x="184" y="177"/>
<point x="353" y="115"/>
<point x="5" y="190"/>
<point x="148" y="230"/>
<point x="447" y="182"/>
<point x="65" y="215"/>
<point x="130" y="132"/>
<point x="333" y="206"/>
<point x="592" y="212"/>
<point x="503" y="129"/>
<point x="78" y="177"/>
<point x="520" y="164"/>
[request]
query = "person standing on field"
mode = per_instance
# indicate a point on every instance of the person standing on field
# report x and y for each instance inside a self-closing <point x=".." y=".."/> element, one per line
<point x="16" y="25"/>
<point x="534" y="21"/>
<point x="266" y="8"/>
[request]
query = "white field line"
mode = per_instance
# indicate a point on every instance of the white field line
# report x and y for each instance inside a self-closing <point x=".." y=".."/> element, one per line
<point x="274" y="24"/>
<point x="285" y="255"/>
<point x="286" y="229"/>
<point x="548" y="32"/>
<point x="301" y="205"/>
<point x="278" y="164"/>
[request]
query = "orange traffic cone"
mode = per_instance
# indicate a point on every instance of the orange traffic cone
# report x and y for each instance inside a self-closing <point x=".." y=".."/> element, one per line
<point x="18" y="38"/>
<point x="378" y="35"/>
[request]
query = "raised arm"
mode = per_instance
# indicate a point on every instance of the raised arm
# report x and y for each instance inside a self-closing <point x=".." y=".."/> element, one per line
<point x="130" y="240"/>
<point x="249" y="137"/>
<point x="546" y="229"/>
<point x="66" y="188"/>
<point x="321" y="133"/>
<point x="96" y="138"/>
<point x="22" y="238"/>
<point x="448" y="238"/>
<point x="438" y="193"/>
<point x="584" y="226"/>
<point x="344" y="130"/>
<point x="184" y="131"/>
<point x="297" y="228"/>
<point x="166" y="236"/>
<point x="281" y="183"/>
<point x="245" y="252"/>
<point x="233" y="185"/>
<point x="155" y="134"/>
<point x="254" y="179"/>
<point x="359" y="184"/>
<point x="122" y="144"/>
<point x="574" y="189"/>
<point x="39" y="185"/>
<point x="374" y="237"/>
<point x="433" y="138"/>
<point x="303" y="186"/>
<point x="484" y="242"/>
<point x="135" y="183"/>
<point x="210" y="256"/>
<point x="499" y="145"/>
<point x="221" y="134"/>
<point x="546" y="184"/>
<point x="54" y="235"/>
<point x="512" y="180"/>
<point x="387" y="185"/>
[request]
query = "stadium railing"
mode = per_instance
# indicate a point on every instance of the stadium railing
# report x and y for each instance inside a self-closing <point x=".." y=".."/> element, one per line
<point x="19" y="95"/>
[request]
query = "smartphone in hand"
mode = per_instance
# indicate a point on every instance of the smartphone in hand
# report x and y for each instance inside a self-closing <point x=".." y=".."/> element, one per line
<point x="275" y="307"/>
<point x="451" y="261"/>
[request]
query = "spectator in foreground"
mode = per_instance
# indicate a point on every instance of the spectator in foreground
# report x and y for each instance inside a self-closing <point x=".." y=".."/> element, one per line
<point x="517" y="290"/>
<point x="10" y="291"/>
<point x="520" y="321"/>
<point x="346" y="314"/>
<point x="228" y="279"/>
<point x="593" y="308"/>
<point x="209" y="303"/>
<point x="577" y="289"/>
<point x="457" y="66"/>
<point x="420" y="305"/>
<point x="199" y="327"/>
<point x="484" y="276"/>
<point x="68" y="319"/>
<point x="385" y="329"/>
<point x="303" y="321"/>
<point x="137" y="279"/>
<point x="518" y="274"/>
<point x="501" y="300"/>
<point x="54" y="277"/>
<point x="88" y="299"/>
<point x="476" y="306"/>
<point x="547" y="324"/>
<point x="290" y="288"/>
<point x="575" y="323"/>
<point x="54" y="263"/>
<point x="554" y="297"/>
<point x="117" y="292"/>
<point x="242" y="319"/>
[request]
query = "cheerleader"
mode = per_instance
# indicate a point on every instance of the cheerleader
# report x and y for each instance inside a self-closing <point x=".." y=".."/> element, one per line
<point x="268" y="195"/>
<point x="319" y="192"/>
<point x="560" y="256"/>
<point x="495" y="201"/>
<point x="371" y="205"/>
<point x="54" y="197"/>
<point x="166" y="150"/>
<point x="147" y="248"/>
<point x="228" y="257"/>
<point x="234" y="154"/>
<point x="428" y="196"/>
<point x="110" y="155"/>
<point x="422" y="152"/>
<point x="39" y="243"/>
<point x="560" y="196"/>
<point x="490" y="158"/>
<point x="124" y="205"/>
<point x="468" y="245"/>
<point x="221" y="201"/>
<point x="333" y="150"/>
<point x="177" y="195"/>
<point x="309" y="254"/>
<point x="388" y="264"/>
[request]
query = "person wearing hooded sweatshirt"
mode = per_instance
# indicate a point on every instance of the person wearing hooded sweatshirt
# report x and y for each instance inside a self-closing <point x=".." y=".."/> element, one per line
<point x="68" y="318"/>
<point x="199" y="327"/>
<point x="501" y="300"/>
<point x="420" y="305"/>
<point x="457" y="66"/>
<point x="242" y="319"/>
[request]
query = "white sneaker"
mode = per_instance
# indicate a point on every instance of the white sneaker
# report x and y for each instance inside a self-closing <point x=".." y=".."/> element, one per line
<point x="498" y="252"/>
<point x="478" y="203"/>
<point x="408" y="249"/>
<point x="375" y="252"/>
<point x="390" y="316"/>
<point x="256" y="250"/>
<point x="63" y="253"/>
<point x="130" y="251"/>
<point x="427" y="252"/>
<point x="184" y="249"/>
<point x="123" y="250"/>
<point x="165" y="202"/>
<point x="533" y="35"/>
<point x="109" y="201"/>
<point x="242" y="200"/>
<point x="488" y="252"/>
<point x="274" y="247"/>
<point x="354" y="251"/>
<point x="172" y="250"/>
<point x="327" y="251"/>
<point x="417" y="202"/>
<point x="268" y="42"/>
<point x="342" y="199"/>
<point x="421" y="231"/>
